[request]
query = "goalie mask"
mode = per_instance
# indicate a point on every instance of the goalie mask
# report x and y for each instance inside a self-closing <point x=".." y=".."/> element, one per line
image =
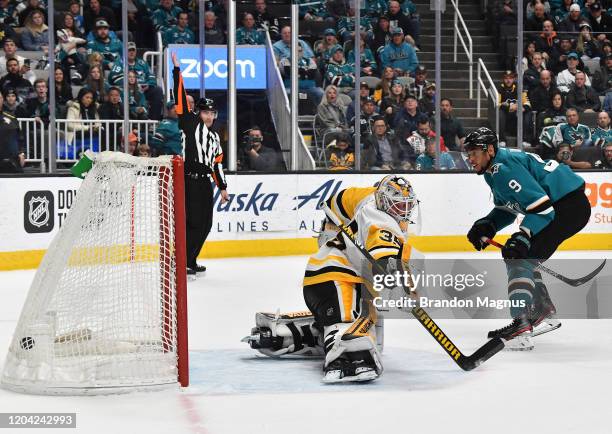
<point x="395" y="196"/>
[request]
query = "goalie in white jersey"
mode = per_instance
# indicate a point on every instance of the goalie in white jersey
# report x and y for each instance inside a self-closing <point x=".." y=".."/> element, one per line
<point x="342" y="323"/>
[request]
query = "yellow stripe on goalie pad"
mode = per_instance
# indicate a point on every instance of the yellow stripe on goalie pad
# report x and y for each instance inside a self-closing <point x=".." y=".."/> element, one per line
<point x="334" y="276"/>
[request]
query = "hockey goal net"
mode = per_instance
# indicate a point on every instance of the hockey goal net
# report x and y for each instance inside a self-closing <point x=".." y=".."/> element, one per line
<point x="106" y="312"/>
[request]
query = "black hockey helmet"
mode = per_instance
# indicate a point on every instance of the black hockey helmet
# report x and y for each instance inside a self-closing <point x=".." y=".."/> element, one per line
<point x="480" y="138"/>
<point x="206" y="104"/>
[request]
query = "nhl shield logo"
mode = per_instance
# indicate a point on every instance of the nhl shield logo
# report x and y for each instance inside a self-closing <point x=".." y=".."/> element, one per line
<point x="38" y="211"/>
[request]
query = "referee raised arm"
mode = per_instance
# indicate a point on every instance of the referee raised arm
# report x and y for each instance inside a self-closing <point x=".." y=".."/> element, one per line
<point x="203" y="164"/>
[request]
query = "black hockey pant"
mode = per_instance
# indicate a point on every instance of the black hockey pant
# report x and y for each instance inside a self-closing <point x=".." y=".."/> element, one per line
<point x="199" y="213"/>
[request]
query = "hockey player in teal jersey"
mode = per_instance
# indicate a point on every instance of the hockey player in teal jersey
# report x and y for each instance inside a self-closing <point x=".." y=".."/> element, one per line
<point x="552" y="200"/>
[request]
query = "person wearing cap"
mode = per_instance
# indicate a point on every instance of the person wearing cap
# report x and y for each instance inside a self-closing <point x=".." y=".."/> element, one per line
<point x="420" y="83"/>
<point x="587" y="45"/>
<point x="167" y="137"/>
<point x="582" y="97"/>
<point x="408" y="118"/>
<point x="346" y="26"/>
<point x="341" y="154"/>
<point x="567" y="77"/>
<point x="322" y="48"/>
<point x="248" y="34"/>
<point x="601" y="22"/>
<point x="369" y="67"/>
<point x="399" y="54"/>
<point x="94" y="11"/>
<point x="398" y="18"/>
<point x="180" y="33"/>
<point x="340" y="73"/>
<point x="258" y="156"/>
<point x="571" y="24"/>
<point x="13" y="105"/>
<point x="508" y="107"/>
<point x="427" y="104"/>
<point x="366" y="118"/>
<point x="111" y="49"/>
<point x="166" y="15"/>
<point x="203" y="164"/>
<point x="558" y="58"/>
<point x="602" y="79"/>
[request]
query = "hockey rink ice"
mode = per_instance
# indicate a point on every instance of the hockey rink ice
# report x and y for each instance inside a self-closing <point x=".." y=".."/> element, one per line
<point x="562" y="386"/>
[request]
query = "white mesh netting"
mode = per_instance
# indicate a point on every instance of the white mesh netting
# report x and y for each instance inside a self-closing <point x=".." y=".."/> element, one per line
<point x="101" y="311"/>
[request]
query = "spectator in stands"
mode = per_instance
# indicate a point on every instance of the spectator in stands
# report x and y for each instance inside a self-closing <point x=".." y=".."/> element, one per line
<point x="605" y="162"/>
<point x="96" y="83"/>
<point x="587" y="46"/>
<point x="265" y="21"/>
<point x="342" y="156"/>
<point x="570" y="25"/>
<point x="320" y="11"/>
<point x="573" y="132"/>
<point x="248" y="34"/>
<point x="133" y="143"/>
<point x="8" y="15"/>
<point x="374" y="8"/>
<point x="282" y="48"/>
<point x="565" y="155"/>
<point x="399" y="54"/>
<point x="382" y="34"/>
<point x="535" y="22"/>
<point x="506" y="13"/>
<point x="13" y="105"/>
<point x="112" y="109"/>
<point x="15" y="80"/>
<point x="366" y="118"/>
<point x="213" y="33"/>
<point x="340" y="73"/>
<point x="167" y="137"/>
<point x="406" y="121"/>
<point x="261" y="158"/>
<point x="397" y="18"/>
<point x="417" y="88"/>
<point x="63" y="92"/>
<point x="364" y="92"/>
<point x="110" y="48"/>
<point x="567" y="77"/>
<point x="68" y="22"/>
<point x="331" y="114"/>
<point x="391" y="105"/>
<point x="96" y="12"/>
<point x="69" y="57"/>
<point x="138" y="102"/>
<point x="84" y="108"/>
<point x="555" y="114"/>
<point x="31" y="6"/>
<point x="547" y="40"/>
<point x="95" y="59"/>
<point x="427" y="104"/>
<point x="560" y="54"/>
<point x="451" y="128"/>
<point x="37" y="107"/>
<point x="602" y="79"/>
<point x="369" y="67"/>
<point x="179" y="33"/>
<point x="346" y="26"/>
<point x="531" y="78"/>
<point x="418" y="139"/>
<point x="309" y="77"/>
<point x="323" y="47"/>
<point x="74" y="10"/>
<point x="383" y="89"/>
<point x="601" y="22"/>
<point x="6" y="32"/>
<point x="427" y="160"/>
<point x="531" y="7"/>
<point x="540" y="95"/>
<point x="10" y="51"/>
<point x="143" y="150"/>
<point x="220" y="9"/>
<point x="508" y="108"/>
<point x="12" y="159"/>
<point x="383" y="150"/>
<point x="582" y="97"/>
<point x="602" y="134"/>
<point x="166" y="15"/>
<point x="35" y="35"/>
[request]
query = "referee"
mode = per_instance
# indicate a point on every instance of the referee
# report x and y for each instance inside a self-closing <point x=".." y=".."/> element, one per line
<point x="203" y="157"/>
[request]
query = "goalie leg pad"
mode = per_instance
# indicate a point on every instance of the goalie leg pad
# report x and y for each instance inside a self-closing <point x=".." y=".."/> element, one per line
<point x="288" y="334"/>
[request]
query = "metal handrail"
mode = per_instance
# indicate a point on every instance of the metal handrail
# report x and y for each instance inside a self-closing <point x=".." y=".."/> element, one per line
<point x="490" y="91"/>
<point x="469" y="48"/>
<point x="34" y="139"/>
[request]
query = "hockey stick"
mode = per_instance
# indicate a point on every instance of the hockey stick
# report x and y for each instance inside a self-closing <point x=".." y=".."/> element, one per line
<point x="571" y="282"/>
<point x="467" y="363"/>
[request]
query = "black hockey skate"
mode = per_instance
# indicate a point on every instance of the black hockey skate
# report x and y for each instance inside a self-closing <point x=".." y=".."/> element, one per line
<point x="544" y="315"/>
<point x="519" y="325"/>
<point x="197" y="268"/>
<point x="356" y="366"/>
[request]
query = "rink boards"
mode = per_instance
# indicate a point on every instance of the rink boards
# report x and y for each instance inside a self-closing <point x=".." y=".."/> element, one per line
<point x="271" y="215"/>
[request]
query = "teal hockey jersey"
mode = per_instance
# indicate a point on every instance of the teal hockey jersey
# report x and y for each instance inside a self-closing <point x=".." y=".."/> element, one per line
<point x="523" y="183"/>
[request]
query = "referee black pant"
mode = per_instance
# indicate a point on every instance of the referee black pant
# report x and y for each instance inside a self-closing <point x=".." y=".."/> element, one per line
<point x="199" y="214"/>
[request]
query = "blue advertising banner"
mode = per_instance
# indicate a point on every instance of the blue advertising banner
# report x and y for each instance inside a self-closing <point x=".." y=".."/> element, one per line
<point x="250" y="66"/>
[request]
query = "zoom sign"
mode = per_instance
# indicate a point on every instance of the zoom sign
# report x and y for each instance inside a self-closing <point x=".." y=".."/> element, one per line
<point x="38" y="211"/>
<point x="250" y="66"/>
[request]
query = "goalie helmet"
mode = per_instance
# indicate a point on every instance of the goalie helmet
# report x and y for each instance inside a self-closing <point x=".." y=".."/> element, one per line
<point x="395" y="196"/>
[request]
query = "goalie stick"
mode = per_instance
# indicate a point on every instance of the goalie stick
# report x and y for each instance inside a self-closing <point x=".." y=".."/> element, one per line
<point x="467" y="363"/>
<point x="571" y="282"/>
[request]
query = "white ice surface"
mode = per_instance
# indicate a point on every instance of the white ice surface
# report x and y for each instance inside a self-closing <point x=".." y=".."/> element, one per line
<point x="563" y="386"/>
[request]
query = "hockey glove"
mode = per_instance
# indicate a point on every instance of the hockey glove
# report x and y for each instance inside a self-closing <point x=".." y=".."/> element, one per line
<point x="481" y="228"/>
<point x="517" y="246"/>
